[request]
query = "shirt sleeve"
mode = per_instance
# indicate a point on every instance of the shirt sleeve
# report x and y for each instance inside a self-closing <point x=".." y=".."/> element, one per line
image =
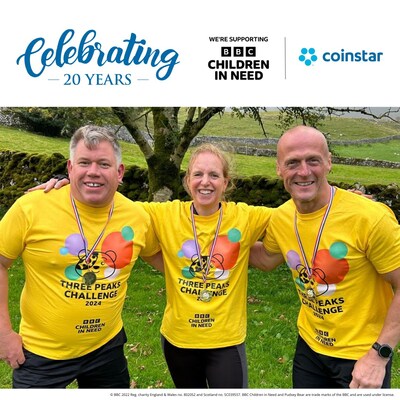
<point x="260" y="217"/>
<point x="13" y="227"/>
<point x="383" y="243"/>
<point x="269" y="240"/>
<point x="152" y="245"/>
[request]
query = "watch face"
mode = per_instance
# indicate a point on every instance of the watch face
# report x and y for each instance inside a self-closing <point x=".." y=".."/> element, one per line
<point x="385" y="351"/>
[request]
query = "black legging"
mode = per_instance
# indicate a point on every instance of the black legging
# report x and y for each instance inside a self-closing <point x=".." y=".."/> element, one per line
<point x="224" y="367"/>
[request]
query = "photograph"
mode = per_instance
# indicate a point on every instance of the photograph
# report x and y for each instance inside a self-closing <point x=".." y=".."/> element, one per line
<point x="243" y="243"/>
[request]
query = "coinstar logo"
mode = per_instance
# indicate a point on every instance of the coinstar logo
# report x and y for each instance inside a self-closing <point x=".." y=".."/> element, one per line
<point x="308" y="56"/>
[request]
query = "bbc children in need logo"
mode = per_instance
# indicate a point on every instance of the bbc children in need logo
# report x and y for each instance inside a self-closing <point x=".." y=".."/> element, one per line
<point x="44" y="57"/>
<point x="239" y="58"/>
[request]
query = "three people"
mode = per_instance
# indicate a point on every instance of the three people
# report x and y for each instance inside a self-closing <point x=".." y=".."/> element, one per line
<point x="343" y="251"/>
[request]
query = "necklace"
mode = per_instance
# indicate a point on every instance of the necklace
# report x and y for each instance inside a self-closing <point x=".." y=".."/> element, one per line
<point x="205" y="294"/>
<point x="89" y="277"/>
<point x="310" y="291"/>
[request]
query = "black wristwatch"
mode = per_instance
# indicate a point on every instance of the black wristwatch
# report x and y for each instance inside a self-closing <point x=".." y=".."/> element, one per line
<point x="384" y="350"/>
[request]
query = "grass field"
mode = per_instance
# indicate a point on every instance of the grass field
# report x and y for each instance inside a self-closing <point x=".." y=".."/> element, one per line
<point x="15" y="140"/>
<point x="338" y="128"/>
<point x="272" y="301"/>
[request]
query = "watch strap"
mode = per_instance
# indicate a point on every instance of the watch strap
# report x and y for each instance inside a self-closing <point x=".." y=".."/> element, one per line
<point x="384" y="350"/>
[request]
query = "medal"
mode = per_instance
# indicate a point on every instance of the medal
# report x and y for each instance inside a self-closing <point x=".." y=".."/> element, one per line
<point x="89" y="277"/>
<point x="205" y="295"/>
<point x="310" y="292"/>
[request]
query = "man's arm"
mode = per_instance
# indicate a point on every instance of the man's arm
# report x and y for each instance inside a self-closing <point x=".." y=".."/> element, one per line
<point x="369" y="370"/>
<point x="263" y="259"/>
<point x="156" y="261"/>
<point x="10" y="341"/>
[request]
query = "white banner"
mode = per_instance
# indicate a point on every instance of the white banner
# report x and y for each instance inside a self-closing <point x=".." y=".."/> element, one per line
<point x="230" y="53"/>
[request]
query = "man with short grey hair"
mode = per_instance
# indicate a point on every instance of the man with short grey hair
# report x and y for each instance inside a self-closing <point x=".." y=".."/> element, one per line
<point x="78" y="246"/>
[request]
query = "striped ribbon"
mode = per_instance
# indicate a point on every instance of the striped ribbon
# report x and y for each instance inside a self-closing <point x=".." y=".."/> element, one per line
<point x="318" y="239"/>
<point x="213" y="243"/>
<point x="88" y="253"/>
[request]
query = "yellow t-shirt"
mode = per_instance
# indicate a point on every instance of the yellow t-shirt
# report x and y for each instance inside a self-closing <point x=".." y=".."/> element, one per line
<point x="345" y="300"/>
<point x="188" y="321"/>
<point x="63" y="315"/>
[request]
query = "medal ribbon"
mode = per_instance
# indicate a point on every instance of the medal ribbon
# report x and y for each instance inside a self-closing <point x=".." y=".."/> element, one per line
<point x="197" y="241"/>
<point x="318" y="239"/>
<point x="85" y="242"/>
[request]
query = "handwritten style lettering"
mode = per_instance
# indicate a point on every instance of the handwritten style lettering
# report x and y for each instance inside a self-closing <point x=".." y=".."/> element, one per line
<point x="37" y="57"/>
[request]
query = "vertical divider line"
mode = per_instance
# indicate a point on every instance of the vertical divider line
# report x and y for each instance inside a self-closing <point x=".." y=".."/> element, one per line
<point x="284" y="55"/>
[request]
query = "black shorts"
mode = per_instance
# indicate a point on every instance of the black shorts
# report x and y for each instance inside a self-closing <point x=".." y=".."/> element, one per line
<point x="312" y="370"/>
<point x="105" y="367"/>
<point x="221" y="368"/>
